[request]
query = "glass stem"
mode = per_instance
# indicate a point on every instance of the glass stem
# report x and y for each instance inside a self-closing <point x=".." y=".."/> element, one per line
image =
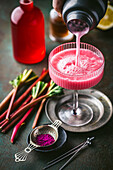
<point x="75" y="102"/>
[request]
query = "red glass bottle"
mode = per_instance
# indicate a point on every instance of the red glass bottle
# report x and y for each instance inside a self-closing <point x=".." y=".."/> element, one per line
<point x="28" y="34"/>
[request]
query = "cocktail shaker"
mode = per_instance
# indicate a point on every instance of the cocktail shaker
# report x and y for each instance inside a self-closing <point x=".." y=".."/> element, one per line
<point x="82" y="13"/>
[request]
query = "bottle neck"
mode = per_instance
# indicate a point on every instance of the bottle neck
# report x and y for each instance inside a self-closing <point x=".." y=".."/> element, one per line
<point x="26" y="5"/>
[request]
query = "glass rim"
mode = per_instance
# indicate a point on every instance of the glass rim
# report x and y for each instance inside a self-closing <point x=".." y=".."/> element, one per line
<point x="76" y="75"/>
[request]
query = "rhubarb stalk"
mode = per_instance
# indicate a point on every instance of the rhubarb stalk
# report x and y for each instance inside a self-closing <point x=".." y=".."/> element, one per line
<point x="36" y="91"/>
<point x="38" y="113"/>
<point x="12" y="123"/>
<point x="14" y="115"/>
<point x="22" y="97"/>
<point x="51" y="85"/>
<point x="29" y="105"/>
<point x="16" y="128"/>
<point x="16" y="83"/>
<point x="6" y="100"/>
<point x="11" y="103"/>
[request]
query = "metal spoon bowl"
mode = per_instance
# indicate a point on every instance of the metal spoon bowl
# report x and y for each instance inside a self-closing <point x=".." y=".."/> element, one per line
<point x="43" y="129"/>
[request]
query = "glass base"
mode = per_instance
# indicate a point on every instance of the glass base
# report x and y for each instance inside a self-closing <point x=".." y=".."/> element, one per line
<point x="99" y="103"/>
<point x="83" y="115"/>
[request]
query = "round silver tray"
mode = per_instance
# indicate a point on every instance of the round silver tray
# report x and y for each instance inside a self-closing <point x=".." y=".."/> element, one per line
<point x="99" y="102"/>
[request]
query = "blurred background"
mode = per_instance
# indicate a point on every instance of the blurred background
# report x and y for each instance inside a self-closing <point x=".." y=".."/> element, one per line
<point x="99" y="157"/>
<point x="97" y="37"/>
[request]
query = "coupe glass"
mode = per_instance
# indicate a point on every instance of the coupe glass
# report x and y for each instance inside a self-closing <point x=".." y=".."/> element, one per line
<point x="75" y="112"/>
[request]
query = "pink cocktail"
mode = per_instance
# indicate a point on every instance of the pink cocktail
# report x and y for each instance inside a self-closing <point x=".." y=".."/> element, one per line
<point x="65" y="72"/>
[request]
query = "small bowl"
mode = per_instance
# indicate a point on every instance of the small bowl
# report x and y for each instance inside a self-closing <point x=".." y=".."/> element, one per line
<point x="51" y="129"/>
<point x="58" y="144"/>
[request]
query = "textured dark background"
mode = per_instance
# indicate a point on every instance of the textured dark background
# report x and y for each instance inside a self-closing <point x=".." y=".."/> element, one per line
<point x="100" y="155"/>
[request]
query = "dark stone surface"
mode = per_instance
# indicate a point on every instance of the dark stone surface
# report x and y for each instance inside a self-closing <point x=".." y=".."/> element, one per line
<point x="97" y="157"/>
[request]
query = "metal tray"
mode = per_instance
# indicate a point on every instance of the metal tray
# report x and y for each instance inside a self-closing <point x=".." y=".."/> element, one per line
<point x="100" y="103"/>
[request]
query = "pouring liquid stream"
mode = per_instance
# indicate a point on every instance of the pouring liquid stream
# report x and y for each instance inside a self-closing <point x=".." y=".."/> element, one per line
<point x="77" y="57"/>
<point x="78" y="28"/>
